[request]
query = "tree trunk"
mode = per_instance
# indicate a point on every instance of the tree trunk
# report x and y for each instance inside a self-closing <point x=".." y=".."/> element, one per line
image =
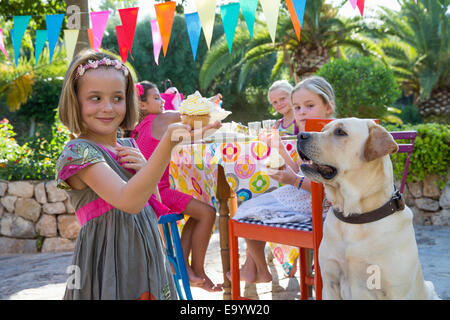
<point x="83" y="37"/>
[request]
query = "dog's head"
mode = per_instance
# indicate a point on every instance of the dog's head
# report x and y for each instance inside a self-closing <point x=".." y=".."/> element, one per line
<point x="344" y="145"/>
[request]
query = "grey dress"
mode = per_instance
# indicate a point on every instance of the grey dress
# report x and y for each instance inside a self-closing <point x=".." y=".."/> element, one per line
<point x="117" y="255"/>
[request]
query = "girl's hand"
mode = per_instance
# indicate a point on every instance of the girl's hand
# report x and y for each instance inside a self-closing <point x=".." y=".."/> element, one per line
<point x="271" y="138"/>
<point x="179" y="132"/>
<point x="130" y="158"/>
<point x="285" y="176"/>
<point x="216" y="99"/>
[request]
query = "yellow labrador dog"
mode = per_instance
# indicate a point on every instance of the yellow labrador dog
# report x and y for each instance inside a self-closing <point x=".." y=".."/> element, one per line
<point x="368" y="249"/>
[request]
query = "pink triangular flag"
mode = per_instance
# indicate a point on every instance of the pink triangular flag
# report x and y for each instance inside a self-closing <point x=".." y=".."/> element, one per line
<point x="99" y="19"/>
<point x="157" y="40"/>
<point x="353" y="3"/>
<point x="2" y="45"/>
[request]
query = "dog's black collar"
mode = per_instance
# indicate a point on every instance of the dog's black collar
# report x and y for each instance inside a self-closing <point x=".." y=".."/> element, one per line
<point x="396" y="203"/>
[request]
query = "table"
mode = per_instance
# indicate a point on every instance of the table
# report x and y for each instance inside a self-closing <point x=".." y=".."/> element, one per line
<point x="223" y="174"/>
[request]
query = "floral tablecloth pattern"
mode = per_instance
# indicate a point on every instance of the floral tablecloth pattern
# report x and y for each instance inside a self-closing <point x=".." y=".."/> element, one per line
<point x="194" y="167"/>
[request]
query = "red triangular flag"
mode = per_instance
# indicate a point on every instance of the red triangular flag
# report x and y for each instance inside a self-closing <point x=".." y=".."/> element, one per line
<point x="360" y="5"/>
<point x="165" y="13"/>
<point x="128" y="17"/>
<point x="121" y="41"/>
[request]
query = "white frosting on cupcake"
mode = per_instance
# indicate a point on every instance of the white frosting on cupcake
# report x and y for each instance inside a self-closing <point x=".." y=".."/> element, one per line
<point x="274" y="160"/>
<point x="195" y="104"/>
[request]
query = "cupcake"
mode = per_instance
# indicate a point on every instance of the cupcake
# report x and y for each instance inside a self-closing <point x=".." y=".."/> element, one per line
<point x="196" y="109"/>
<point x="275" y="160"/>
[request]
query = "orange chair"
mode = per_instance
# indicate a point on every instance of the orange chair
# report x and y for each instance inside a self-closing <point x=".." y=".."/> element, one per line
<point x="305" y="236"/>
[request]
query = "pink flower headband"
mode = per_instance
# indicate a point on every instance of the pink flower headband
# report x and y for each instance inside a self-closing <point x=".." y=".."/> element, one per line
<point x="94" y="64"/>
<point x="139" y="89"/>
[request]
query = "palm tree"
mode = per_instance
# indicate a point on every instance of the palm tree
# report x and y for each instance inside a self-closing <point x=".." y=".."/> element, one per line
<point x="322" y="36"/>
<point x="417" y="48"/>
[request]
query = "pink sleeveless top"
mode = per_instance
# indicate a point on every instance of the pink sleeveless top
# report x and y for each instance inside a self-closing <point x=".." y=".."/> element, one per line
<point x="175" y="200"/>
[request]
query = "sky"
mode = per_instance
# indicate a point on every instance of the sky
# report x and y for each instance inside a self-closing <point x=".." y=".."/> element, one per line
<point x="146" y="6"/>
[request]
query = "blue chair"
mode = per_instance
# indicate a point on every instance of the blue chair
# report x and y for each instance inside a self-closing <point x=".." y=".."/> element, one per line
<point x="172" y="241"/>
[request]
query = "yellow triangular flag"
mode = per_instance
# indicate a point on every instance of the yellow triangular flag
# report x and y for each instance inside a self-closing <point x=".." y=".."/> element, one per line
<point x="271" y="9"/>
<point x="70" y="40"/>
<point x="207" y="12"/>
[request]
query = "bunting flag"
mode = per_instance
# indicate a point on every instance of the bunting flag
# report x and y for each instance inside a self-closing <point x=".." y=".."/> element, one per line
<point x="99" y="19"/>
<point x="299" y="6"/>
<point x="230" y="15"/>
<point x="165" y="12"/>
<point x="121" y="41"/>
<point x="248" y="8"/>
<point x="294" y="18"/>
<point x="41" y="37"/>
<point x="128" y="17"/>
<point x="91" y="38"/>
<point x="157" y="41"/>
<point x="206" y="12"/>
<point x="270" y="10"/>
<point x="353" y="3"/>
<point x="70" y="40"/>
<point x="194" y="28"/>
<point x="2" y="45"/>
<point x="54" y="23"/>
<point x="20" y="25"/>
<point x="360" y="5"/>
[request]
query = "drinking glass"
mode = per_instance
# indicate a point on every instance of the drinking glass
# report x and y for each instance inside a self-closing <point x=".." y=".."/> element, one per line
<point x="254" y="128"/>
<point x="268" y="124"/>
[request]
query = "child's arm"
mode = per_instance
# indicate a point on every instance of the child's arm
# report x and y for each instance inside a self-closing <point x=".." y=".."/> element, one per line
<point x="287" y="176"/>
<point x="132" y="196"/>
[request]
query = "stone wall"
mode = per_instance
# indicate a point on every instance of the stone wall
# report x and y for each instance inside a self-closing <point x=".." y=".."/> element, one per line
<point x="430" y="205"/>
<point x="36" y="216"/>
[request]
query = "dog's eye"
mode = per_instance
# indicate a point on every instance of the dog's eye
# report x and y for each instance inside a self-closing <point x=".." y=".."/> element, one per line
<point x="340" y="132"/>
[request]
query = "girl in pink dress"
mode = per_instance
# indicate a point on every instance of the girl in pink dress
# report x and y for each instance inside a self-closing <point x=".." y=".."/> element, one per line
<point x="196" y="233"/>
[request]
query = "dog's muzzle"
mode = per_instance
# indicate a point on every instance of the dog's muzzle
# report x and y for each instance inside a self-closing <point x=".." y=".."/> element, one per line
<point x="311" y="164"/>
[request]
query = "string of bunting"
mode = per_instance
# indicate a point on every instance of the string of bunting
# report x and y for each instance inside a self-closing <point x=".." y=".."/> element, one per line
<point x="196" y="21"/>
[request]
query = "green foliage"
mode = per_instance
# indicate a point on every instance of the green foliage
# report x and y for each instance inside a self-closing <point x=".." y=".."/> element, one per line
<point x="416" y="41"/>
<point x="431" y="153"/>
<point x="35" y="159"/>
<point x="363" y="88"/>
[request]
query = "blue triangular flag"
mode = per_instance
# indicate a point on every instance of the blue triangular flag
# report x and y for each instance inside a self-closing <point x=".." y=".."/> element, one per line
<point x="54" y="23"/>
<point x="20" y="25"/>
<point x="194" y="28"/>
<point x="299" y="6"/>
<point x="230" y="15"/>
<point x="249" y="10"/>
<point x="41" y="37"/>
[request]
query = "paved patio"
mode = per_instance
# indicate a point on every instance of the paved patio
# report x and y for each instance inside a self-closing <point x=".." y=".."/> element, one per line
<point x="42" y="276"/>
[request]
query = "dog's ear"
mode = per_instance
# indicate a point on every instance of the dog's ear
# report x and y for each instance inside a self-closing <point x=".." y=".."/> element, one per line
<point x="379" y="143"/>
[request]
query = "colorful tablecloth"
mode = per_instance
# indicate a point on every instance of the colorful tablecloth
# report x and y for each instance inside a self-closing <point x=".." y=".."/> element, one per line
<point x="194" y="167"/>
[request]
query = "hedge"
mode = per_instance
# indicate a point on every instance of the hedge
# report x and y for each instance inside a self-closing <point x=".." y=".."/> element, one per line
<point x="431" y="154"/>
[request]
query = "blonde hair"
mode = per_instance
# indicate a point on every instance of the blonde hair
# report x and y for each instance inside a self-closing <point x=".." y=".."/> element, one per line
<point x="283" y="85"/>
<point x="69" y="110"/>
<point x="319" y="86"/>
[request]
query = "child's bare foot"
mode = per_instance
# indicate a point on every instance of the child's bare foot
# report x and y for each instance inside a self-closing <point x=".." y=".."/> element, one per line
<point x="194" y="280"/>
<point x="210" y="286"/>
<point x="248" y="274"/>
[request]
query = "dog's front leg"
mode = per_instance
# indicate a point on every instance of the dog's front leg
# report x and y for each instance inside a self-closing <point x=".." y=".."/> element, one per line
<point x="330" y="274"/>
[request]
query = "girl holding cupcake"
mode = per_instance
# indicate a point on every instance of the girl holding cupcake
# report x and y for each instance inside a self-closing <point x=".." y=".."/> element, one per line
<point x="195" y="236"/>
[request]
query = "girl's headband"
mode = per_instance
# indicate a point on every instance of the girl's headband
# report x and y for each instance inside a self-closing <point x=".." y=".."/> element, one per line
<point x="94" y="64"/>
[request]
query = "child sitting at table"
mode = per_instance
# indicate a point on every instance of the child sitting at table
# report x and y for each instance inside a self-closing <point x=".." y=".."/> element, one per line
<point x="196" y="233"/>
<point x="311" y="98"/>
<point x="279" y="97"/>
